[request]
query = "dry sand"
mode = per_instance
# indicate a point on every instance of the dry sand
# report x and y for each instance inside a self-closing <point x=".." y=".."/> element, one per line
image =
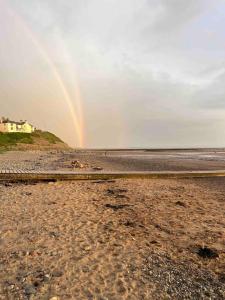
<point x="123" y="239"/>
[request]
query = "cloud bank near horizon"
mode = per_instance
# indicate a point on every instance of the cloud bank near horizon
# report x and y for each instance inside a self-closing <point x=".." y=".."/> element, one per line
<point x="150" y="72"/>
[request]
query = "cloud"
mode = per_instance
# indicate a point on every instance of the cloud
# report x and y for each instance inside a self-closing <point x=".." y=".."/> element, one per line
<point x="145" y="67"/>
<point x="177" y="13"/>
<point x="212" y="97"/>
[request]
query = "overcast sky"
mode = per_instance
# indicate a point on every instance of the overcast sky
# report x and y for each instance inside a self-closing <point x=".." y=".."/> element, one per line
<point x="150" y="72"/>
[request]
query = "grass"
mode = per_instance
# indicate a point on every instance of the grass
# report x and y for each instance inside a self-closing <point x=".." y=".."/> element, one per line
<point x="11" y="139"/>
<point x="2" y="150"/>
<point x="8" y="140"/>
<point x="50" y="137"/>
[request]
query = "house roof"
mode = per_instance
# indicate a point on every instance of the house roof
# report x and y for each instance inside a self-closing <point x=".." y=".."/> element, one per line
<point x="14" y="122"/>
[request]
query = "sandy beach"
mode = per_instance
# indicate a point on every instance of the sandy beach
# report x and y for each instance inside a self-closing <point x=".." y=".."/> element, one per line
<point x="116" y="239"/>
<point x="112" y="150"/>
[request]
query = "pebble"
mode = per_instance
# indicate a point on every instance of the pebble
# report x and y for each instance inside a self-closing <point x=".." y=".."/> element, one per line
<point x="29" y="289"/>
<point x="57" y="273"/>
<point x="53" y="253"/>
<point x="54" y="234"/>
<point x="77" y="164"/>
<point x="46" y="278"/>
<point x="8" y="184"/>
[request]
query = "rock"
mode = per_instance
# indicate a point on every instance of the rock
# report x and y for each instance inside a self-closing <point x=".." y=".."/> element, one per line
<point x="77" y="164"/>
<point x="57" y="273"/>
<point x="97" y="168"/>
<point x="54" y="234"/>
<point x="12" y="287"/>
<point x="29" y="290"/>
<point x="54" y="298"/>
<point x="46" y="277"/>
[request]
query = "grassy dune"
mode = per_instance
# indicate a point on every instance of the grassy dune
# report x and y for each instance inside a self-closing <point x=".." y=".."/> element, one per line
<point x="48" y="136"/>
<point x="37" y="139"/>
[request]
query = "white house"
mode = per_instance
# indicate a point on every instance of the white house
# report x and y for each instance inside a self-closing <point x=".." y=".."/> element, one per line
<point x="11" y="126"/>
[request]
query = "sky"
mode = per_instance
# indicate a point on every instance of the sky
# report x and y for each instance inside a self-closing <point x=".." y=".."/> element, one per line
<point x="112" y="73"/>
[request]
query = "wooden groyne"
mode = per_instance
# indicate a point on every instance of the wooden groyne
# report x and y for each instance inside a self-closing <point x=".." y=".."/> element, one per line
<point x="23" y="175"/>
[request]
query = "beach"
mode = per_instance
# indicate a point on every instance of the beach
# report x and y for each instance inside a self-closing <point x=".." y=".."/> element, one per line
<point x="112" y="239"/>
<point x="112" y="150"/>
<point x="115" y="160"/>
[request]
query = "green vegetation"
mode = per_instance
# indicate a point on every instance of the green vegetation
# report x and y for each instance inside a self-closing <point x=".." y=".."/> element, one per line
<point x="50" y="137"/>
<point x="10" y="140"/>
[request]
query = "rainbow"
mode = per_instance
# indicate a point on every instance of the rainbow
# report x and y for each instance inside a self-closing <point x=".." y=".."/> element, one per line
<point x="77" y="116"/>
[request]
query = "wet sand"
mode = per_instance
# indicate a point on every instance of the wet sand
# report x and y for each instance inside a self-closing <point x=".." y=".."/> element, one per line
<point x="108" y="160"/>
<point x="120" y="239"/>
